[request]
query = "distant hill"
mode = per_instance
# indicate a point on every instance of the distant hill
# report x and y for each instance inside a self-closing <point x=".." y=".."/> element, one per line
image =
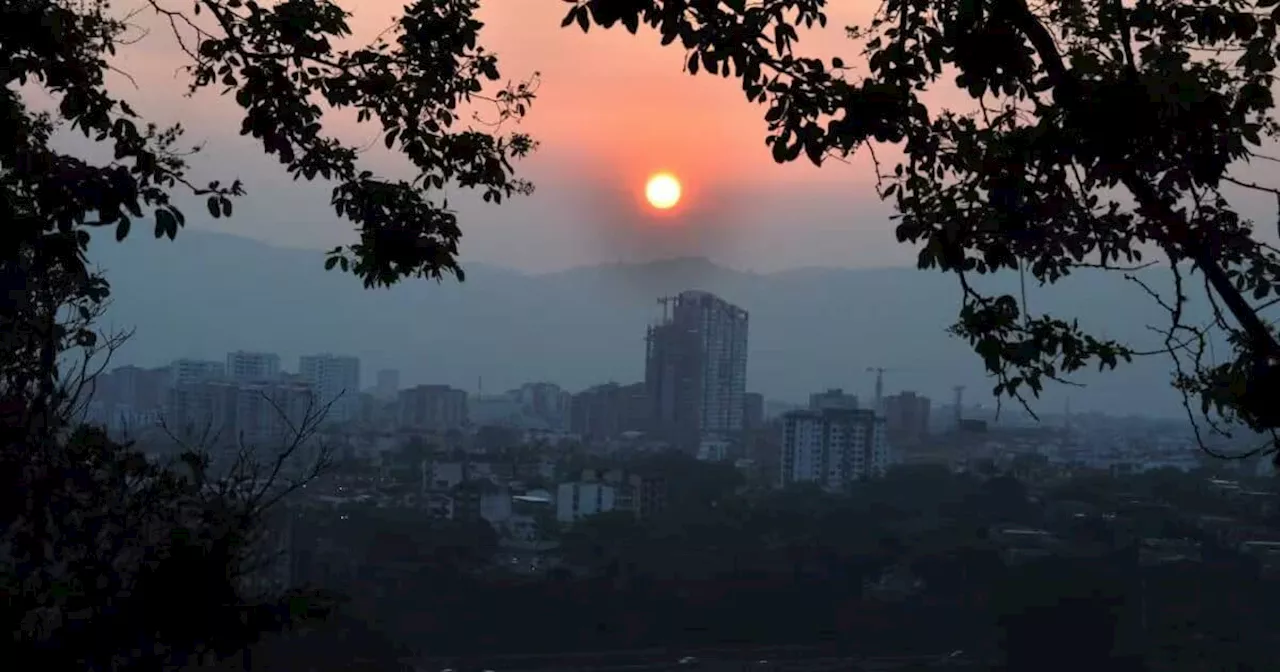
<point x="205" y="294"/>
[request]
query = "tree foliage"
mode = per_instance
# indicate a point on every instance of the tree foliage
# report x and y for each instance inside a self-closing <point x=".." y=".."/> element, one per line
<point x="281" y="63"/>
<point x="1101" y="132"/>
<point x="108" y="560"/>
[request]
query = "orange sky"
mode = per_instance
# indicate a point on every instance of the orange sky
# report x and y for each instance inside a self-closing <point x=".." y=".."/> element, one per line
<point x="612" y="109"/>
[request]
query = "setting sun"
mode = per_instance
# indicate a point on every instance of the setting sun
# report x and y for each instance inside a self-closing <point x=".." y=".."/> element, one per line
<point x="662" y="191"/>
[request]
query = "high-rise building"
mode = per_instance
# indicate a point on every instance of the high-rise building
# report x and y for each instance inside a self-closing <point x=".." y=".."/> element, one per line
<point x="336" y="381"/>
<point x="832" y="447"/>
<point x="696" y="370"/>
<point x="906" y="417"/>
<point x="253" y="367"/>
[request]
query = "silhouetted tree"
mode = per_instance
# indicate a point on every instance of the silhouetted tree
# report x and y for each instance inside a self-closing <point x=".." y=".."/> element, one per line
<point x="109" y="561"/>
<point x="1101" y="132"/>
<point x="281" y="63"/>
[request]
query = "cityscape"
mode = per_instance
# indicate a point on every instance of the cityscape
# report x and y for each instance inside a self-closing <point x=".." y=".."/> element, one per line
<point x="334" y="342"/>
<point x="541" y="469"/>
<point x="694" y="400"/>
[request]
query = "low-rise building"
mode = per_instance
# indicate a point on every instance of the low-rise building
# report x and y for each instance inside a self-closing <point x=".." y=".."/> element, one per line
<point x="575" y="501"/>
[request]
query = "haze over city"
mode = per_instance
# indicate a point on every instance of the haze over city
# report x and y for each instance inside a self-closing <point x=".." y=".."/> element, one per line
<point x="606" y="124"/>
<point x="795" y="335"/>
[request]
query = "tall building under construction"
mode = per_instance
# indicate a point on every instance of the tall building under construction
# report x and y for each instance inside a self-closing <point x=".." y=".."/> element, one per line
<point x="696" y="372"/>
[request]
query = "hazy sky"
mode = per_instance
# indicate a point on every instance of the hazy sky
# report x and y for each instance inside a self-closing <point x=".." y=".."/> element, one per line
<point x="612" y="108"/>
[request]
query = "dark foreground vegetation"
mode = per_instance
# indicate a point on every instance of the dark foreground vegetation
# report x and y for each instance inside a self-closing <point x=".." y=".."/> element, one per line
<point x="923" y="562"/>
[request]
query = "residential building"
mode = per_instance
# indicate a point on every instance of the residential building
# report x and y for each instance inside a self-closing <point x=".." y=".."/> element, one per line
<point x="185" y="371"/>
<point x="832" y="398"/>
<point x="434" y="408"/>
<point x="544" y="403"/>
<point x="128" y="400"/>
<point x="495" y="410"/>
<point x="833" y="447"/>
<point x="336" y="381"/>
<point x="270" y="415"/>
<point x="253" y="367"/>
<point x="696" y="370"/>
<point x="575" y="501"/>
<point x="642" y="494"/>
<point x="906" y="417"/>
<point x="202" y="413"/>
<point x="606" y="411"/>
<point x="134" y="387"/>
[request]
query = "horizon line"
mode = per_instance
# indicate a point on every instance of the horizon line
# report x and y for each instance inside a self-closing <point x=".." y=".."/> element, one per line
<point x="635" y="263"/>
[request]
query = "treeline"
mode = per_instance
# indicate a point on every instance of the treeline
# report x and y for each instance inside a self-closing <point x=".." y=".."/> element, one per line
<point x="901" y="566"/>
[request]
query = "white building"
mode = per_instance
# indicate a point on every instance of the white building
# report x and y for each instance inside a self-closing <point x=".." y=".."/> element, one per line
<point x="833" y="447"/>
<point x="336" y="380"/>
<point x="253" y="367"/>
<point x="575" y="501"/>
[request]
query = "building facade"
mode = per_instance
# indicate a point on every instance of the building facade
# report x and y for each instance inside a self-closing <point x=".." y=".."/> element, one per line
<point x="833" y="398"/>
<point x="434" y="408"/>
<point x="253" y="367"/>
<point x="832" y="447"/>
<point x="696" y="370"/>
<point x="575" y="501"/>
<point x="336" y="381"/>
<point x="185" y="371"/>
<point x="202" y="413"/>
<point x="606" y="411"/>
<point x="906" y="417"/>
<point x="269" y="415"/>
<point x="545" y="405"/>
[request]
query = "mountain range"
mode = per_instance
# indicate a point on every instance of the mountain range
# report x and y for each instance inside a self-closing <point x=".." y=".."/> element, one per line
<point x="206" y="293"/>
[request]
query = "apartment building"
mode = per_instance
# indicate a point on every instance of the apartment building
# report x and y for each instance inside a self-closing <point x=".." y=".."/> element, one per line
<point x="833" y="447"/>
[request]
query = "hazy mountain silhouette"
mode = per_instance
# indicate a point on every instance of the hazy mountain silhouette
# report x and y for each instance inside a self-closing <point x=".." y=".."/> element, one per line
<point x="205" y="294"/>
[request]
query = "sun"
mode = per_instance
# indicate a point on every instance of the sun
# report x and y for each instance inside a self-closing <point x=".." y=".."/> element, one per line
<point x="662" y="191"/>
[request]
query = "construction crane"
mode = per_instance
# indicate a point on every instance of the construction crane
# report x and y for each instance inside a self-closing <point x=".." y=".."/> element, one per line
<point x="959" y="390"/>
<point x="879" y="371"/>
